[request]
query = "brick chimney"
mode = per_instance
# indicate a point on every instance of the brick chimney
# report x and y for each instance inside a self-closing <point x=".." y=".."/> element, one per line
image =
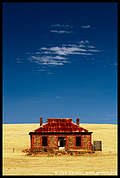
<point x="41" y="121"/>
<point x="77" y="121"/>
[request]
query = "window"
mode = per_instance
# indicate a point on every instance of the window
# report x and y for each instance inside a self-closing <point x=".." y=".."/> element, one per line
<point x="44" y="141"/>
<point x="78" y="141"/>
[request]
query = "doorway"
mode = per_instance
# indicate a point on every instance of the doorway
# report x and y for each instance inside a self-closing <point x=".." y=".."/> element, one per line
<point x="61" y="142"/>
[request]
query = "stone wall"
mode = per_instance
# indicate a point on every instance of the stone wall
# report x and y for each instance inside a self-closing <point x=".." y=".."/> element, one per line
<point x="52" y="141"/>
<point x="86" y="141"/>
<point x="70" y="141"/>
<point x="37" y="141"/>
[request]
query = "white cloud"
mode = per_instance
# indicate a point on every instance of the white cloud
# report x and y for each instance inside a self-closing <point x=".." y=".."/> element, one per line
<point x="59" y="55"/>
<point x="84" y="42"/>
<point x="66" y="50"/>
<point x="38" y="52"/>
<point x="79" y="53"/>
<point x="48" y="60"/>
<point x="43" y="48"/>
<point x="85" y="26"/>
<point x="82" y="46"/>
<point x="61" y="28"/>
<point x="61" y="25"/>
<point x="91" y="46"/>
<point x="61" y="31"/>
<point x="93" y="50"/>
<point x="39" y="70"/>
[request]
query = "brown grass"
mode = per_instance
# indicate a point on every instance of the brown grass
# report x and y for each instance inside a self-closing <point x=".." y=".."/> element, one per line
<point x="99" y="163"/>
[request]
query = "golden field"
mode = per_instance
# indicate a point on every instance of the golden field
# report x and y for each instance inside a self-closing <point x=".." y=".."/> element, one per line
<point x="99" y="163"/>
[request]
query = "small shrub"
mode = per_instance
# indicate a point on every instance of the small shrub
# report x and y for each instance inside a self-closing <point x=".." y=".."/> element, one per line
<point x="28" y="154"/>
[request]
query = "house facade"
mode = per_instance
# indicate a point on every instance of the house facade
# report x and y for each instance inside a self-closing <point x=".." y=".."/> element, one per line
<point x="60" y="134"/>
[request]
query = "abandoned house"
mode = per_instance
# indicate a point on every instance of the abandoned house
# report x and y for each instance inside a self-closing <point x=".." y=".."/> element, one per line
<point x="60" y="134"/>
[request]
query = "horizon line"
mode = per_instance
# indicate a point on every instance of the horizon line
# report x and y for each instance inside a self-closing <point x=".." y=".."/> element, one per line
<point x="46" y="123"/>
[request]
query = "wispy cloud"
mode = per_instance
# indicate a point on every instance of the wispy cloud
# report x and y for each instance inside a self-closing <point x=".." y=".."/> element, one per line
<point x="39" y="70"/>
<point x="61" y="28"/>
<point x="60" y="55"/>
<point x="48" y="60"/>
<point x="93" y="50"/>
<point x="110" y="65"/>
<point x="85" y="26"/>
<point x="66" y="50"/>
<point x="90" y="46"/>
<point x="81" y="48"/>
<point x="62" y="25"/>
<point x="86" y="42"/>
<point x="60" y="31"/>
<point x="19" y="60"/>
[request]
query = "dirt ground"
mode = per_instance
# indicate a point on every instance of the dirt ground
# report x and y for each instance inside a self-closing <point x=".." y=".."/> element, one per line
<point x="16" y="138"/>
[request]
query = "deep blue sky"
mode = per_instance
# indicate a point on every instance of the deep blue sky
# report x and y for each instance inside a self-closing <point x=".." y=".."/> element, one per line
<point x="60" y="61"/>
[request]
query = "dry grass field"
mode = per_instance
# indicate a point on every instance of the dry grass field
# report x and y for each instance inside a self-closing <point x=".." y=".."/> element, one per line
<point x="99" y="163"/>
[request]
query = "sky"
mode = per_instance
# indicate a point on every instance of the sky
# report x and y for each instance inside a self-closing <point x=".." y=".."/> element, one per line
<point x="59" y="61"/>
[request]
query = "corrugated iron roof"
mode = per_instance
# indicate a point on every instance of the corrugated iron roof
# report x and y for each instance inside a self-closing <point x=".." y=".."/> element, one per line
<point x="60" y="125"/>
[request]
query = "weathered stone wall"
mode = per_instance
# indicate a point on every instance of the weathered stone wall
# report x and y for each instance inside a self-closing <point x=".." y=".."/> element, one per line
<point x="52" y="141"/>
<point x="37" y="141"/>
<point x="70" y="141"/>
<point x="86" y="141"/>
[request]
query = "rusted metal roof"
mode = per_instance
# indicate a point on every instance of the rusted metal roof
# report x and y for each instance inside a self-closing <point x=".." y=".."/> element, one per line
<point x="60" y="125"/>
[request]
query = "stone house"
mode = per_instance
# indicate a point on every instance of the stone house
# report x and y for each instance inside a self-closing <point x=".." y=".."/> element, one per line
<point x="60" y="134"/>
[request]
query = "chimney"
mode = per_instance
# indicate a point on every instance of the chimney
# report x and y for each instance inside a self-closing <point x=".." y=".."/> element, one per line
<point x="77" y="121"/>
<point x="41" y="121"/>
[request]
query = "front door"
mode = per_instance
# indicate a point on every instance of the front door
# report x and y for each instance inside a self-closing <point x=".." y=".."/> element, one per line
<point x="61" y="142"/>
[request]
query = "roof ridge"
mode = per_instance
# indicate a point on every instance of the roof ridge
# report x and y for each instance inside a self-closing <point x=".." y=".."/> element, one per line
<point x="60" y="127"/>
